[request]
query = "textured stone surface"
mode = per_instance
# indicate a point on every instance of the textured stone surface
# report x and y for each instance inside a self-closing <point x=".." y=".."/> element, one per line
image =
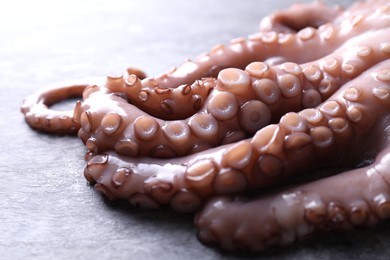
<point x="47" y="209"/>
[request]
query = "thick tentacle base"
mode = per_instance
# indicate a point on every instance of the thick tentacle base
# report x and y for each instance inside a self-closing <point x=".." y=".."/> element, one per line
<point x="287" y="216"/>
<point x="225" y="133"/>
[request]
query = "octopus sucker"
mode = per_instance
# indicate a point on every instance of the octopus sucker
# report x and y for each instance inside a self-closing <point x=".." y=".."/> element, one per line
<point x="254" y="136"/>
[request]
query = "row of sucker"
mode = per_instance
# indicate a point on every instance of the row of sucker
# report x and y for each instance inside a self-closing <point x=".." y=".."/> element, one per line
<point x="305" y="140"/>
<point x="292" y="215"/>
<point x="167" y="96"/>
<point x="242" y="102"/>
<point x="356" y="198"/>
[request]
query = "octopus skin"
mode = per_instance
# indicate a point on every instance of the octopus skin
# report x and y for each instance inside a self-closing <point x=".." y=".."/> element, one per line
<point x="224" y="134"/>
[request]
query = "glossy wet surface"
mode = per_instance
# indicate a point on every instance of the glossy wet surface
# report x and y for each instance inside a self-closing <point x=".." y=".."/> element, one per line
<point x="47" y="209"/>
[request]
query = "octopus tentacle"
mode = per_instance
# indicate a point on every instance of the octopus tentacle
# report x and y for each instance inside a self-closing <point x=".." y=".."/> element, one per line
<point x="241" y="103"/>
<point x="39" y="116"/>
<point x="290" y="215"/>
<point x="167" y="96"/>
<point x="176" y="102"/>
<point x="220" y="116"/>
<point x="300" y="16"/>
<point x="300" y="141"/>
<point x="360" y="197"/>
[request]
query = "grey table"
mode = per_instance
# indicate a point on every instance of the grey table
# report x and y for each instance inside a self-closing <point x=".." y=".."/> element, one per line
<point x="47" y="209"/>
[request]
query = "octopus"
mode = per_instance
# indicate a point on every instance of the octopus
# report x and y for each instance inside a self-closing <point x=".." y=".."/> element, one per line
<point x="268" y="139"/>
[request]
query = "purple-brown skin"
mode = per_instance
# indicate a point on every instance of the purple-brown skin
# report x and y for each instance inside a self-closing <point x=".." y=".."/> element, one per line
<point x="310" y="91"/>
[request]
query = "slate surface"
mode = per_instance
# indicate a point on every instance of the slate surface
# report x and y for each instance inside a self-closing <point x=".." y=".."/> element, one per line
<point x="47" y="209"/>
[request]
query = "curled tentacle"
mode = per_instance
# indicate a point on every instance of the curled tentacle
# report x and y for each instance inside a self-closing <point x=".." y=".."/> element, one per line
<point x="39" y="115"/>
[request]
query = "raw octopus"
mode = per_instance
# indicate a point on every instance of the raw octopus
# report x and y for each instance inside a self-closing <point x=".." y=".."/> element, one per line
<point x="270" y="138"/>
